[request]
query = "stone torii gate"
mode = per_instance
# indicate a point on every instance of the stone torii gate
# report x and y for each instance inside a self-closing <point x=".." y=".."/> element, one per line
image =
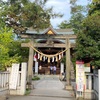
<point x="33" y="37"/>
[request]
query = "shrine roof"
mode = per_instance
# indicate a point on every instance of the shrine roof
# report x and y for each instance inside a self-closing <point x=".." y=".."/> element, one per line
<point x="50" y="30"/>
<point x="54" y="33"/>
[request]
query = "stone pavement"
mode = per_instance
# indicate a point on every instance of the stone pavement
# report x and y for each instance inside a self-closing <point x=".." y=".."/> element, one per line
<point x="48" y="88"/>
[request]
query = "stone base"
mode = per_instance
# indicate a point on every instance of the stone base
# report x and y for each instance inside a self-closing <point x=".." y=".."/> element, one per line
<point x="4" y="94"/>
<point x="31" y="87"/>
<point x="69" y="87"/>
<point x="89" y="94"/>
<point x="3" y="97"/>
<point x="80" y="98"/>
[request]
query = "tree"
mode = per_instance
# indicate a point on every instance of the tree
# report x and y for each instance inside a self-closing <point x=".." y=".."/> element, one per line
<point x="21" y="15"/>
<point x="78" y="13"/>
<point x="94" y="7"/>
<point x="5" y="38"/>
<point x="3" y="7"/>
<point x="10" y="49"/>
<point x="16" y="49"/>
<point x="88" y="42"/>
<point x="64" y="25"/>
<point x="87" y="29"/>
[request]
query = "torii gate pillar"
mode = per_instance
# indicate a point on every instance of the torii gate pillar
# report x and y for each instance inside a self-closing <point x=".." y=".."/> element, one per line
<point x="68" y="62"/>
<point x="30" y="65"/>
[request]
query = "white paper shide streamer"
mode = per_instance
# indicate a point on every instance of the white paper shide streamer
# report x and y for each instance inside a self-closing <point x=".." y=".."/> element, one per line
<point x="53" y="59"/>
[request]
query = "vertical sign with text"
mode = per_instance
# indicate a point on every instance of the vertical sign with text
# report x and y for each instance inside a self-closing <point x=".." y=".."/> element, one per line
<point x="80" y="76"/>
<point x="14" y="76"/>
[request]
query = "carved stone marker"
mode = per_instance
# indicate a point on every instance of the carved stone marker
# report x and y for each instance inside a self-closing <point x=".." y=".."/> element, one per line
<point x="14" y="76"/>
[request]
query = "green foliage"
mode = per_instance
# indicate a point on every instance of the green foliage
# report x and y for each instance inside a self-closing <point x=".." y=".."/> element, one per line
<point x="94" y="7"/>
<point x="28" y="91"/>
<point x="88" y="41"/>
<point x="19" y="14"/>
<point x="35" y="18"/>
<point x="65" y="25"/>
<point x="87" y="29"/>
<point x="5" y="39"/>
<point x="15" y="48"/>
<point x="36" y="78"/>
<point x="3" y="7"/>
<point x="10" y="49"/>
<point x="78" y="14"/>
<point x="23" y="13"/>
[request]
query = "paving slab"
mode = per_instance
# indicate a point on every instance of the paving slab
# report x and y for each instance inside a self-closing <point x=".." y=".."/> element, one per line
<point x="47" y="88"/>
<point x="37" y="98"/>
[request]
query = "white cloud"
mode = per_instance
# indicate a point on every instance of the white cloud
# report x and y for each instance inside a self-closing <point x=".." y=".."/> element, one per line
<point x="59" y="6"/>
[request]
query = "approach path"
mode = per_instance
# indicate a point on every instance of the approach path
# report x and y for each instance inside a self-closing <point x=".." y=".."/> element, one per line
<point x="49" y="87"/>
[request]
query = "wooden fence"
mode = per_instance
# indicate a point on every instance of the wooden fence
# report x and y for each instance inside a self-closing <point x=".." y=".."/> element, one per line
<point x="4" y="79"/>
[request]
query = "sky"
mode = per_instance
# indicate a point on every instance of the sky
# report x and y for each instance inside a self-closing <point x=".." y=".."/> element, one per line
<point x="63" y="7"/>
<point x="59" y="6"/>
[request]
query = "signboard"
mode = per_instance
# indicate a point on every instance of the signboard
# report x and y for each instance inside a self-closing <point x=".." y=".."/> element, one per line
<point x="87" y="69"/>
<point x="80" y="75"/>
<point x="14" y="76"/>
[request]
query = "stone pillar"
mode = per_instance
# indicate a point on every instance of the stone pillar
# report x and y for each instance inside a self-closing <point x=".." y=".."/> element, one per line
<point x="62" y="68"/>
<point x="68" y="62"/>
<point x="90" y="82"/>
<point x="23" y="78"/>
<point x="30" y="63"/>
<point x="36" y="67"/>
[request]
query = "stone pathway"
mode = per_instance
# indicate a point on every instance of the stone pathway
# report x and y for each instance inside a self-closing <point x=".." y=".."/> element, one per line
<point x="48" y="88"/>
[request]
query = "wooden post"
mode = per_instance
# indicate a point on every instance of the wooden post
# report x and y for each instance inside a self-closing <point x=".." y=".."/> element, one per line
<point x="30" y="64"/>
<point x="68" y="62"/>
